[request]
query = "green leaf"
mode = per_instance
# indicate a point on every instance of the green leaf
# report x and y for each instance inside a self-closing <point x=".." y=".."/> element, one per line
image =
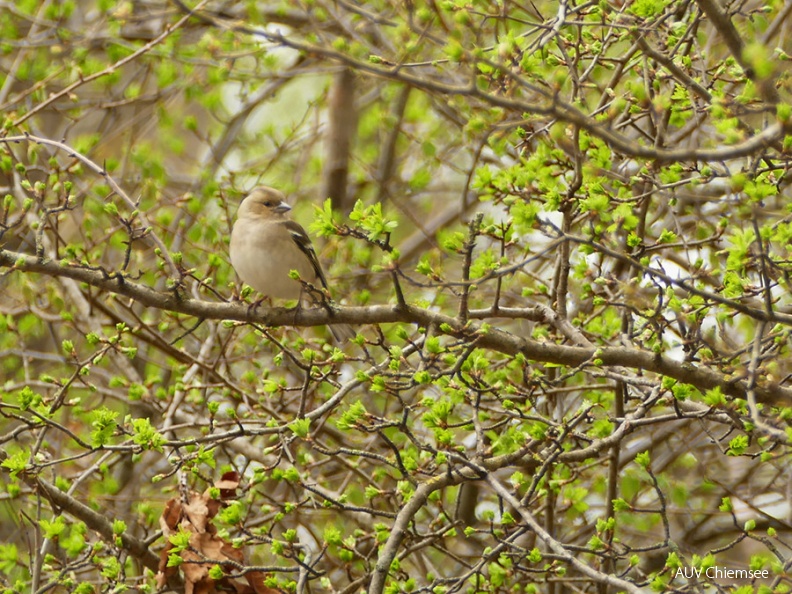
<point x="352" y="416"/>
<point x="216" y="572"/>
<point x="332" y="535"/>
<point x="16" y="462"/>
<point x="300" y="427"/>
<point x="104" y="426"/>
<point x="643" y="460"/>
<point x="146" y="436"/>
<point x="737" y="445"/>
<point x="119" y="527"/>
<point x="53" y="529"/>
<point x="9" y="558"/>
<point x="620" y="505"/>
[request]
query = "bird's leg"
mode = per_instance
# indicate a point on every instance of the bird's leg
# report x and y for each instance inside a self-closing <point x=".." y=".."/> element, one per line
<point x="298" y="307"/>
<point x="315" y="295"/>
<point x="255" y="305"/>
<point x="319" y="296"/>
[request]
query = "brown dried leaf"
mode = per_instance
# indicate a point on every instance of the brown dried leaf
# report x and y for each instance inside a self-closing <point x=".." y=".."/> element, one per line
<point x="234" y="554"/>
<point x="206" y="548"/>
<point x="213" y="506"/>
<point x="197" y="511"/>
<point x="195" y="572"/>
<point x="256" y="581"/>
<point x="209" y="545"/>
<point x="163" y="571"/>
<point x="228" y="485"/>
<point x="171" y="515"/>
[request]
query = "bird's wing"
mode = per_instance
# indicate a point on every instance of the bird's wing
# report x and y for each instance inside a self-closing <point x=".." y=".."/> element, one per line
<point x="303" y="242"/>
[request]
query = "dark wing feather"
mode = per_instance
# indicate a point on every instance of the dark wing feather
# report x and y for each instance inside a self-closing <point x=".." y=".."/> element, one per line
<point x="303" y="242"/>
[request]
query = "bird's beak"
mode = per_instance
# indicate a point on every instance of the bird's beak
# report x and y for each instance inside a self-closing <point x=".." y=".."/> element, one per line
<point x="281" y="208"/>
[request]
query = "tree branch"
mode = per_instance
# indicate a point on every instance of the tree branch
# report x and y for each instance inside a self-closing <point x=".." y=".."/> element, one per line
<point x="555" y="546"/>
<point x="501" y="341"/>
<point x="548" y="105"/>
<point x="95" y="521"/>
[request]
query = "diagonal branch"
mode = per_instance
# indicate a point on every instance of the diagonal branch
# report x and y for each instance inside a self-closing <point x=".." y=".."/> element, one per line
<point x="95" y="521"/>
<point x="728" y="31"/>
<point x="556" y="547"/>
<point x="65" y="92"/>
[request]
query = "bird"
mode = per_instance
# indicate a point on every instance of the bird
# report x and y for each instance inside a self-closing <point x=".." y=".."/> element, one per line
<point x="266" y="245"/>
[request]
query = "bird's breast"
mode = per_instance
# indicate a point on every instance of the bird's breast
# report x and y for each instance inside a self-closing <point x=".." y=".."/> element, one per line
<point x="263" y="260"/>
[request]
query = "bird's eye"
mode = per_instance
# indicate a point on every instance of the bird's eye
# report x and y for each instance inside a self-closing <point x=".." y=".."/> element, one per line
<point x="269" y="203"/>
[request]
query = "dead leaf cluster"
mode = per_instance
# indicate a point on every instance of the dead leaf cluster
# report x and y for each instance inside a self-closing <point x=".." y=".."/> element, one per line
<point x="193" y="514"/>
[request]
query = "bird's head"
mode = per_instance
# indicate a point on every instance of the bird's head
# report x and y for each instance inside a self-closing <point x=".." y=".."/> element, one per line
<point x="264" y="201"/>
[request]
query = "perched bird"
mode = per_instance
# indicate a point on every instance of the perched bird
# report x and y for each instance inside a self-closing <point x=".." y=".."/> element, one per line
<point x="266" y="245"/>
